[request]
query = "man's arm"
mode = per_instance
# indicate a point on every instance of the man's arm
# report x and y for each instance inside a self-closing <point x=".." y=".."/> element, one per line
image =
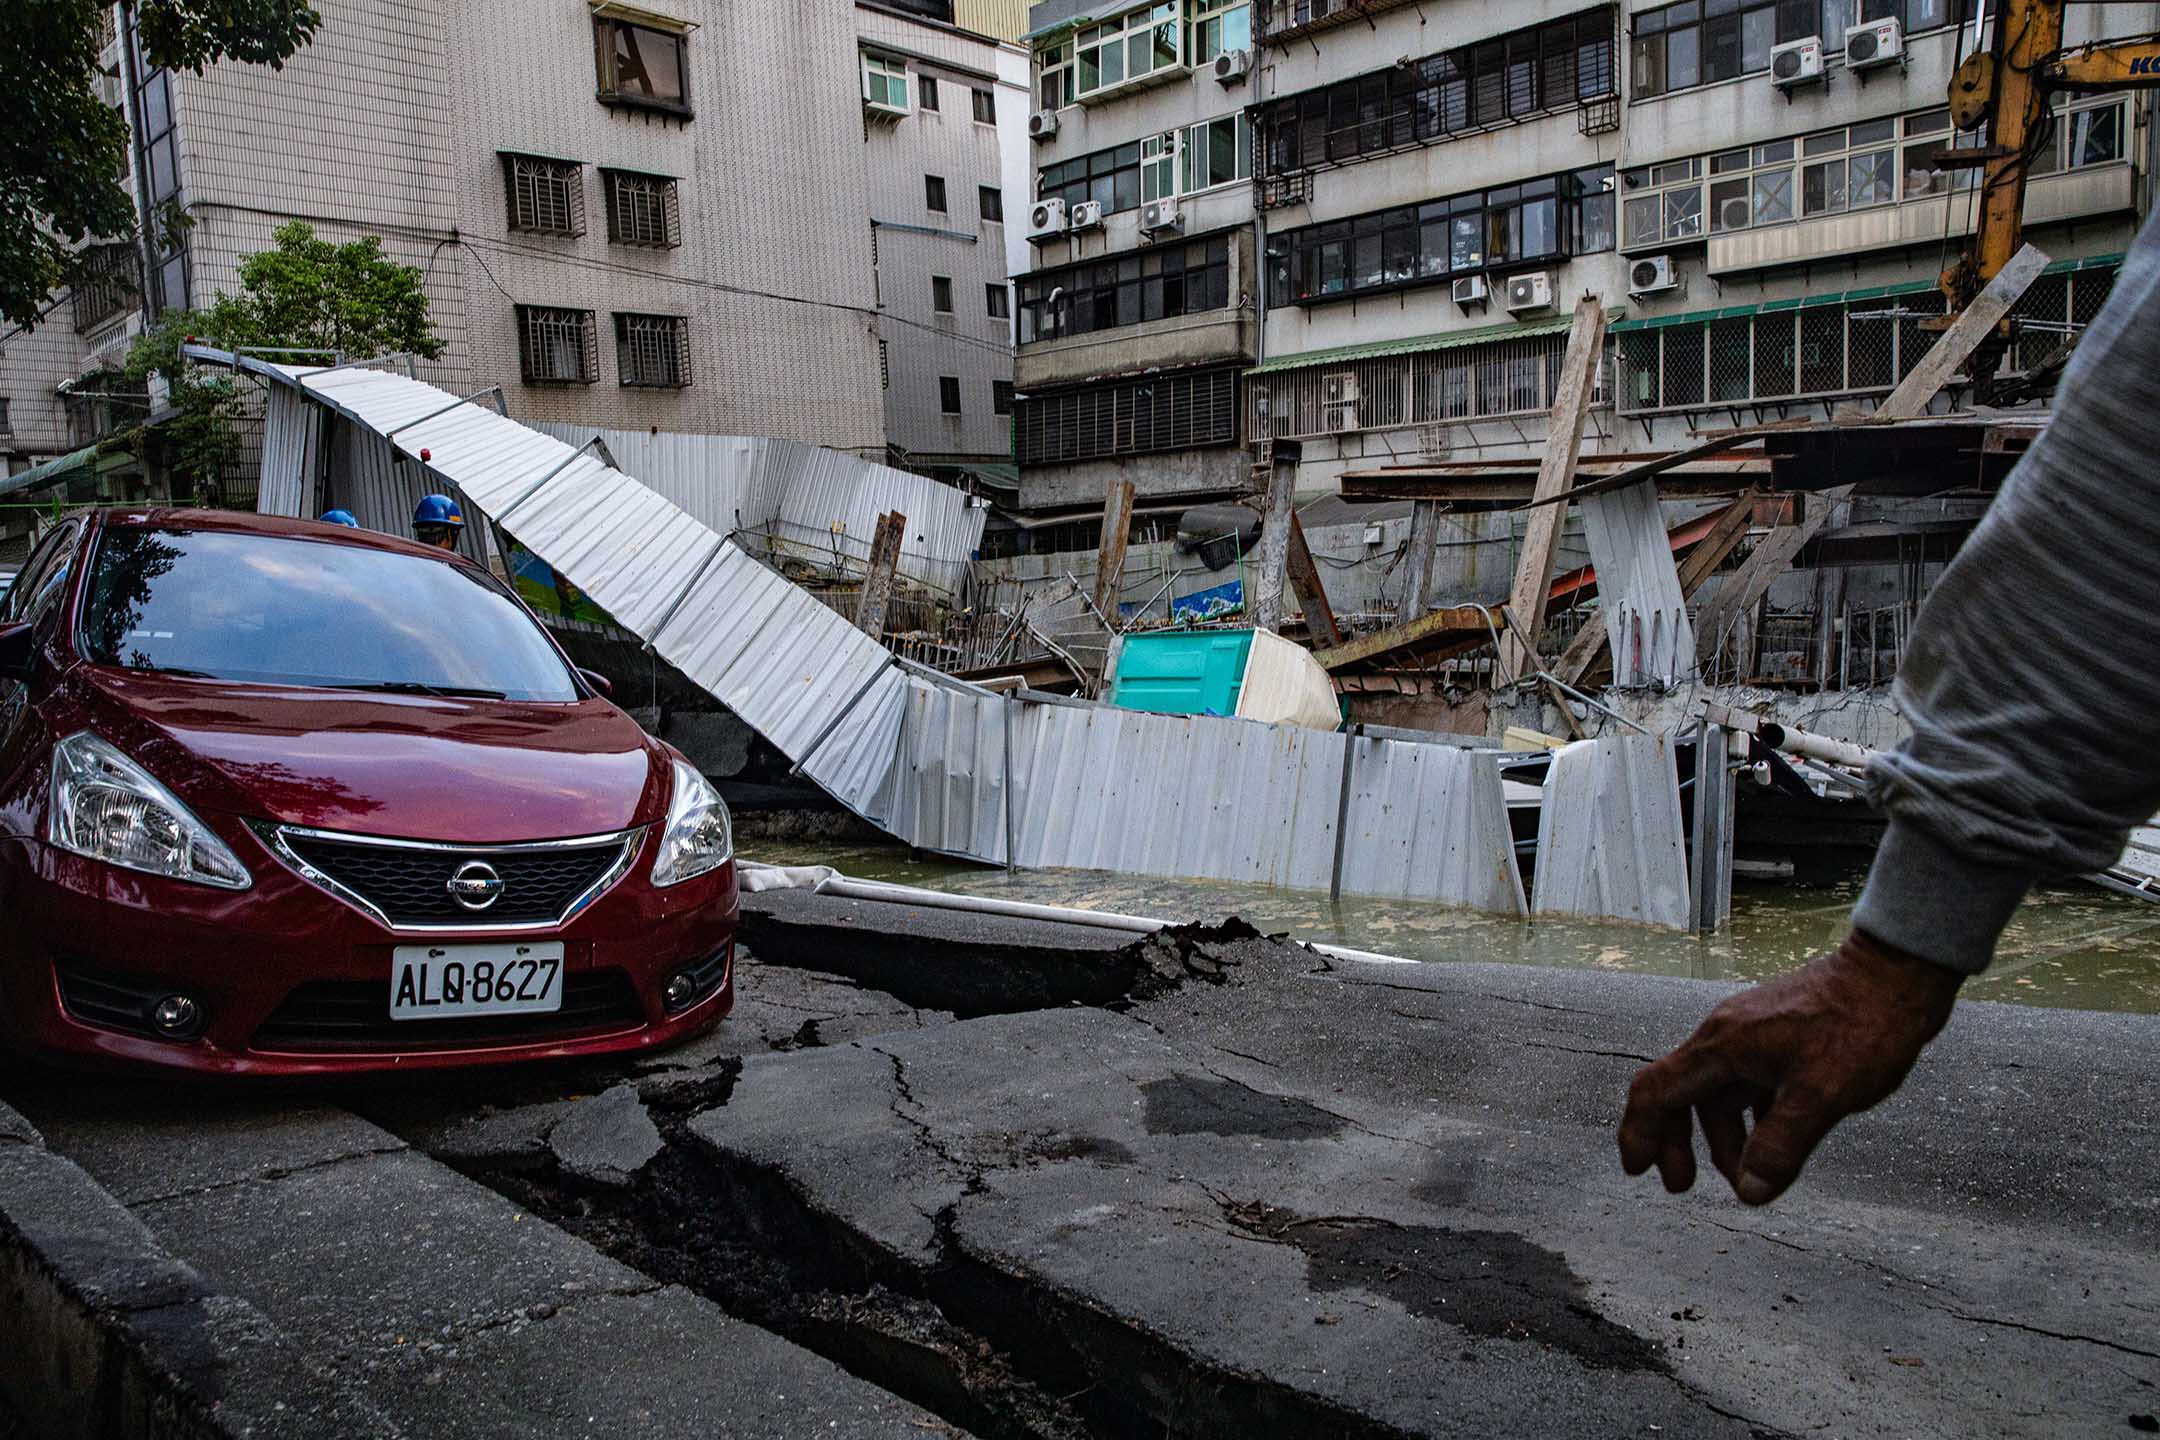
<point x="2032" y="684"/>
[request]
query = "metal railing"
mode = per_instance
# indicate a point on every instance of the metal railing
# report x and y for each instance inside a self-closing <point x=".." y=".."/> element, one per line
<point x="1504" y="378"/>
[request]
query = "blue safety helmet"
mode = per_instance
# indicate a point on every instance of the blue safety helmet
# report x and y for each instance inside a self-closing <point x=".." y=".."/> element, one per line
<point x="437" y="510"/>
<point x="340" y="517"/>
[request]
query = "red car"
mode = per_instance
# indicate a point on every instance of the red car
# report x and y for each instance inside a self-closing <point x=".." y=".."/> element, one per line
<point x="282" y="798"/>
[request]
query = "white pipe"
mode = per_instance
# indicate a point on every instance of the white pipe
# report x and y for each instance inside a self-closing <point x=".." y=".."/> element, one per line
<point x="832" y="882"/>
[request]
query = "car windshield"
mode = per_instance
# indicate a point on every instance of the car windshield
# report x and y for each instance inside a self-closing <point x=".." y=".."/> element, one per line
<point x="288" y="611"/>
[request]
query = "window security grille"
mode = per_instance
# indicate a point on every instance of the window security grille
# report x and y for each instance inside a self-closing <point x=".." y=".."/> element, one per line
<point x="556" y="346"/>
<point x="545" y="197"/>
<point x="642" y="209"/>
<point x="652" y="351"/>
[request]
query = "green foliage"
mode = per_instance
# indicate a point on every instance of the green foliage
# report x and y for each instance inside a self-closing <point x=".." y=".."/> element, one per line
<point x="63" y="151"/>
<point x="305" y="294"/>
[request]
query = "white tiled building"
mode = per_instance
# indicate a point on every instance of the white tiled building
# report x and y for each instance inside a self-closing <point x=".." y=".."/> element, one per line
<point x="631" y="216"/>
<point x="1429" y="187"/>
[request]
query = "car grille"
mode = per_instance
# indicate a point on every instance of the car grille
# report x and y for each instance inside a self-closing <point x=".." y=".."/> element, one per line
<point x="355" y="1015"/>
<point x="408" y="885"/>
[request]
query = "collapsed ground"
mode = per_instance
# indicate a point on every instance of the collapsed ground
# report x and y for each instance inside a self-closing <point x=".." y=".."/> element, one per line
<point x="1044" y="1181"/>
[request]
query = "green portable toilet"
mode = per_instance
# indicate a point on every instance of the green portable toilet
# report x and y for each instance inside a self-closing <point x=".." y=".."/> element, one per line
<point x="1181" y="672"/>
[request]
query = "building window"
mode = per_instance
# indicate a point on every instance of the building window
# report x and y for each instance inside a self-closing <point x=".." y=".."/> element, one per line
<point x="941" y="294"/>
<point x="1144" y="42"/>
<point x="157" y="160"/>
<point x="1001" y="397"/>
<point x="934" y="193"/>
<point x="985" y="106"/>
<point x="948" y="389"/>
<point x="926" y="92"/>
<point x="995" y="302"/>
<point x="1701" y="42"/>
<point x="991" y="201"/>
<point x="1217" y="152"/>
<point x="1547" y="219"/>
<point x="544" y="197"/>
<point x="884" y="84"/>
<point x="1054" y="76"/>
<point x="1184" y="279"/>
<point x="105" y="287"/>
<point x="7" y="426"/>
<point x="1219" y="25"/>
<point x="1158" y="168"/>
<point x="652" y="351"/>
<point x="1110" y="178"/>
<point x="556" y="346"/>
<point x="1515" y="77"/>
<point x="641" y="209"/>
<point x="1144" y="415"/>
<point x="1432" y="387"/>
<point x="642" y="66"/>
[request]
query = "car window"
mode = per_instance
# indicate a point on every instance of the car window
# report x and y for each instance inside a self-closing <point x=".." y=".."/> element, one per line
<point x="286" y="610"/>
<point x="42" y="577"/>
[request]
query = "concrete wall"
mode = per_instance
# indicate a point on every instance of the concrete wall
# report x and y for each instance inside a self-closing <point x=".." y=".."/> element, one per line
<point x="1186" y="473"/>
<point x="1174" y="342"/>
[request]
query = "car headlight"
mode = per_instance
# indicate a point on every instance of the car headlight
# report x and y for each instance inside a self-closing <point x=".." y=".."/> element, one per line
<point x="107" y="807"/>
<point x="697" y="836"/>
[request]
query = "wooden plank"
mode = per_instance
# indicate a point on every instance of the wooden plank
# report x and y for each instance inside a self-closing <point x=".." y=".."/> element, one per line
<point x="1305" y="580"/>
<point x="1556" y="474"/>
<point x="1110" y="556"/>
<point x="1726" y="533"/>
<point x="1752" y="581"/>
<point x="1458" y="623"/>
<point x="878" y="583"/>
<point x="1499" y="489"/>
<point x="1418" y="554"/>
<point x="1265" y="606"/>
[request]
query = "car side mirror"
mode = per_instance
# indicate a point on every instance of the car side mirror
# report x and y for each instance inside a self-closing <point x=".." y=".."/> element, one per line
<point x="599" y="682"/>
<point x="18" y="652"/>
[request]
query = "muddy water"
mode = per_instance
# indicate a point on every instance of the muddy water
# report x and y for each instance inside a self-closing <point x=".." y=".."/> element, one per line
<point x="2071" y="946"/>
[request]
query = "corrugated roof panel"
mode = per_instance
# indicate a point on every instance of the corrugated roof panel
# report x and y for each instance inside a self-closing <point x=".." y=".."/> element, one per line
<point x="1446" y="340"/>
<point x="1609" y="838"/>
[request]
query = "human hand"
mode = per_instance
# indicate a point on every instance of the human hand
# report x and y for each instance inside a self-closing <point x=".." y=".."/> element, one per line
<point x="1800" y="1052"/>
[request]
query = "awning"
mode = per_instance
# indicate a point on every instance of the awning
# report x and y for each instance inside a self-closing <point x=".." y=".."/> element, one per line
<point x="49" y="472"/>
<point x="1838" y="297"/>
<point x="1085" y="15"/>
<point x="1449" y="340"/>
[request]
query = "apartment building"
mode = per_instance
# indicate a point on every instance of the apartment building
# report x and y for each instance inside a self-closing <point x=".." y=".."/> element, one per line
<point x="630" y="216"/>
<point x="945" y="141"/>
<point x="1427" y="189"/>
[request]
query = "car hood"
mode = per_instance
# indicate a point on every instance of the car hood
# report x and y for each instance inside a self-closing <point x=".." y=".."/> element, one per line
<point x="414" y="767"/>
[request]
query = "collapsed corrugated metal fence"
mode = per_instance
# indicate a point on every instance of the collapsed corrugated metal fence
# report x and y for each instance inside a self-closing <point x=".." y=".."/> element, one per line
<point x="941" y="764"/>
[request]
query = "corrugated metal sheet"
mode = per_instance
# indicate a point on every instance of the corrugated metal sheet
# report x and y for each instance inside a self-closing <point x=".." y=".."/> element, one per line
<point x="1609" y="836"/>
<point x="1638" y="587"/>
<point x="798" y="495"/>
<point x="1092" y="787"/>
<point x="292" y="430"/>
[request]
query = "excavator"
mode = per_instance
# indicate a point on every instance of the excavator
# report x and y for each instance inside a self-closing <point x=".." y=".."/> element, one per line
<point x="2005" y="92"/>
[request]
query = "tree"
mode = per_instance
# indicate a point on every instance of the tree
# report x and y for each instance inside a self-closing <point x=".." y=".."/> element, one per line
<point x="307" y="293"/>
<point x="63" y="151"/>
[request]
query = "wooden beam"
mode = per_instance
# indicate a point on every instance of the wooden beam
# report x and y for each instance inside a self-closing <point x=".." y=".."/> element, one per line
<point x="1465" y="623"/>
<point x="1418" y="553"/>
<point x="1311" y="592"/>
<point x="878" y="583"/>
<point x="1274" y="563"/>
<point x="1730" y="528"/>
<point x="1751" y="582"/>
<point x="1556" y="474"/>
<point x="1110" y="556"/>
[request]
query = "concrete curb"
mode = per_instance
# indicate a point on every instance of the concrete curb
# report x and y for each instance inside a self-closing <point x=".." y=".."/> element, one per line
<point x="114" y="1337"/>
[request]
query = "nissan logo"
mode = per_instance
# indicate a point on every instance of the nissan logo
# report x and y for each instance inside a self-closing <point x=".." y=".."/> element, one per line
<point x="475" y="886"/>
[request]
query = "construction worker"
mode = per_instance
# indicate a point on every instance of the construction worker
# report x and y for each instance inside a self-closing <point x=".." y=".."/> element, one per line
<point x="436" y="522"/>
<point x="340" y="517"/>
<point x="2031" y="686"/>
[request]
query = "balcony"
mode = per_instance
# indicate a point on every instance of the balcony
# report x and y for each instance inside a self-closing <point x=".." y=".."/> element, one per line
<point x="1278" y="22"/>
<point x="106" y="287"/>
<point x="1172" y="343"/>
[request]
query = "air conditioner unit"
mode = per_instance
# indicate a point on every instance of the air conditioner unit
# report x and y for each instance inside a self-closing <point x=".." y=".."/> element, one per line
<point x="1232" y="66"/>
<point x="1158" y="216"/>
<point x="1341" y="419"/>
<point x="1875" y="43"/>
<point x="1470" y="290"/>
<point x="1042" y="125"/>
<point x="1340" y="388"/>
<point x="1046" y="220"/>
<point x="1529" y="292"/>
<point x="1653" y="275"/>
<point x="1796" y="62"/>
<point x="1732" y="213"/>
<point x="1087" y="215"/>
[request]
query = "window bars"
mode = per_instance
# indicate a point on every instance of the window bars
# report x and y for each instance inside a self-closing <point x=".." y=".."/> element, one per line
<point x="642" y="209"/>
<point x="652" y="351"/>
<point x="556" y="346"/>
<point x="544" y="196"/>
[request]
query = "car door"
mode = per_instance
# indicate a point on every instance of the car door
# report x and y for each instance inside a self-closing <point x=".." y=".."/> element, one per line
<point x="37" y="592"/>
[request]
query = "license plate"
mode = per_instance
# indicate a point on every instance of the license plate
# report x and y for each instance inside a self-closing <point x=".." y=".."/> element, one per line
<point x="444" y="982"/>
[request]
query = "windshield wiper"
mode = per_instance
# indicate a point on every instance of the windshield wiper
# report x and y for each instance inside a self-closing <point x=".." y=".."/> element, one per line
<point x="415" y="687"/>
